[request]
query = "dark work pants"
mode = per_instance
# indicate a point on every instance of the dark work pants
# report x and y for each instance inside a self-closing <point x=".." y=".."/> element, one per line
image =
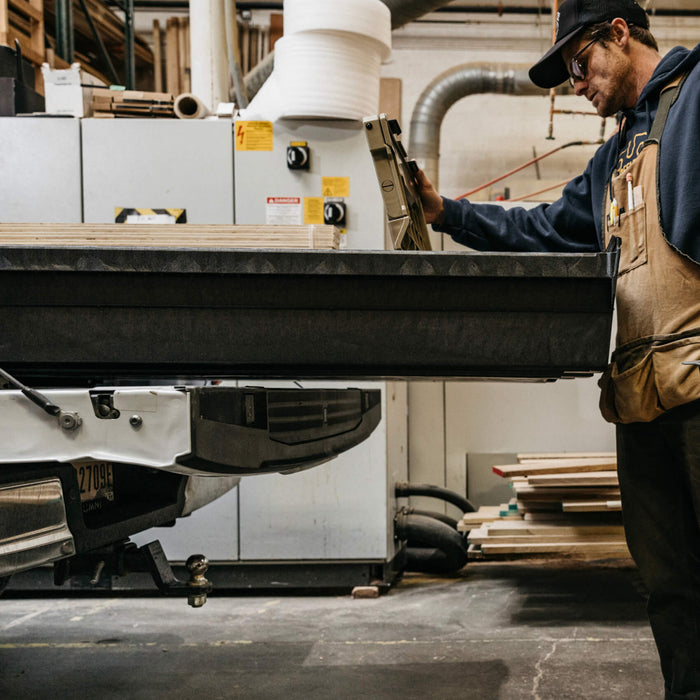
<point x="659" y="469"/>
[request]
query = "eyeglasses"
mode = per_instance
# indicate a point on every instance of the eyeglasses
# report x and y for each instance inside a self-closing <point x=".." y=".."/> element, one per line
<point x="577" y="71"/>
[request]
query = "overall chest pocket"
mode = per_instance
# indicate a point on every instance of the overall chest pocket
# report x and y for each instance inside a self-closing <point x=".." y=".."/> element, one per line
<point x="633" y="233"/>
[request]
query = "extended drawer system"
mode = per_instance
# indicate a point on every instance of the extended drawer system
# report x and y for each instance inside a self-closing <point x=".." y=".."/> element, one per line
<point x="79" y="314"/>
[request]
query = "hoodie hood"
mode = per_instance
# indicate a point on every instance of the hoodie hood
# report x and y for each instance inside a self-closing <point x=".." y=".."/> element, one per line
<point x="677" y="61"/>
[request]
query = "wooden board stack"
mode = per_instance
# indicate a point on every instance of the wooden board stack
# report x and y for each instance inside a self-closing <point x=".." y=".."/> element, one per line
<point x="564" y="505"/>
<point x="170" y="236"/>
<point x="131" y="103"/>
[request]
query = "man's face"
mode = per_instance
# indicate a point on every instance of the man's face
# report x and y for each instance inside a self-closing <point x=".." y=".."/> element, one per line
<point x="608" y="83"/>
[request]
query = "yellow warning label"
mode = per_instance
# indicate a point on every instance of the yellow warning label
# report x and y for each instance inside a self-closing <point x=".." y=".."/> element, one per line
<point x="313" y="210"/>
<point x="253" y="136"/>
<point x="335" y="186"/>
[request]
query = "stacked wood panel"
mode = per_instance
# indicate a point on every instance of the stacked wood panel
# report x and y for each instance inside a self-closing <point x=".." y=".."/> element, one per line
<point x="562" y="506"/>
<point x="170" y="235"/>
<point x="131" y="103"/>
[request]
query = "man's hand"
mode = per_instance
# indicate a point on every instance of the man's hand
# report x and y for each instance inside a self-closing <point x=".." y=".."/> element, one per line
<point x="432" y="201"/>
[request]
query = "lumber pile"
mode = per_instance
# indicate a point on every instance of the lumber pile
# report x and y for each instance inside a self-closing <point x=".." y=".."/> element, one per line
<point x="108" y="103"/>
<point x="111" y="28"/>
<point x="563" y="505"/>
<point x="174" y="45"/>
<point x="171" y="49"/>
<point x="24" y="20"/>
<point x="170" y="236"/>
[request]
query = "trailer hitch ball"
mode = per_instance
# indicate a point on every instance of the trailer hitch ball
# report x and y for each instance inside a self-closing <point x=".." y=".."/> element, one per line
<point x="197" y="565"/>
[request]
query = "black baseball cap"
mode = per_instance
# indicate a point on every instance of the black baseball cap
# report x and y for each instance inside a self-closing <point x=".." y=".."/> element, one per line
<point x="574" y="16"/>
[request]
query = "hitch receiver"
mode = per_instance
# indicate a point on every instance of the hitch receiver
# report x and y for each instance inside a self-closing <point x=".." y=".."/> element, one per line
<point x="198" y="586"/>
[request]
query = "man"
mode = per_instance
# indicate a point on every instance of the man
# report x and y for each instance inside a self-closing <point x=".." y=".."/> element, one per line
<point x="642" y="187"/>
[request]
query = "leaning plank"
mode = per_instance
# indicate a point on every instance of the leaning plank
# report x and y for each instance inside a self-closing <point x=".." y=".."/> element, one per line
<point x="556" y="466"/>
<point x="540" y="506"/>
<point x="562" y="527"/>
<point x="610" y="517"/>
<point x="591" y="506"/>
<point x="552" y="493"/>
<point x="476" y="519"/>
<point x="483" y="536"/>
<point x="539" y="456"/>
<point x="604" y="478"/>
<point x="611" y="548"/>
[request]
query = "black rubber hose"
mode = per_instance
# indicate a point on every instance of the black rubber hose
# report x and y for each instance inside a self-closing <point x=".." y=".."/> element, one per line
<point x="426" y="560"/>
<point x="452" y="522"/>
<point x="403" y="489"/>
<point x="421" y="531"/>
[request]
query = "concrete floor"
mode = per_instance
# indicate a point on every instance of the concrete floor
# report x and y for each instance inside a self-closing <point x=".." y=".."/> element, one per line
<point x="507" y="631"/>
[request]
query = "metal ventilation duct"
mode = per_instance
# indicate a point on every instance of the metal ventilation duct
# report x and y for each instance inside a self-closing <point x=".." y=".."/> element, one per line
<point x="448" y="88"/>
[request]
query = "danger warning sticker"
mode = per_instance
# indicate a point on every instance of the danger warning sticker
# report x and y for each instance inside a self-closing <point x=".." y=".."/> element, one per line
<point x="284" y="211"/>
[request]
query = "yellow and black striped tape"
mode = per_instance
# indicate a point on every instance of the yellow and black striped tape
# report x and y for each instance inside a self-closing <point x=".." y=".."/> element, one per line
<point x="120" y="214"/>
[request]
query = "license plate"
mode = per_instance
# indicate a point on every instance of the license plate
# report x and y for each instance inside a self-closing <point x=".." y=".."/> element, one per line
<point x="96" y="480"/>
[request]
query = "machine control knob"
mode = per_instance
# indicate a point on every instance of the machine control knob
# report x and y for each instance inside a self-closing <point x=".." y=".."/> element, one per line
<point x="334" y="213"/>
<point x="298" y="156"/>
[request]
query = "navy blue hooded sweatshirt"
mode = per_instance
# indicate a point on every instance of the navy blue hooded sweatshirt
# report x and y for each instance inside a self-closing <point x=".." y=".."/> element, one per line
<point x="574" y="222"/>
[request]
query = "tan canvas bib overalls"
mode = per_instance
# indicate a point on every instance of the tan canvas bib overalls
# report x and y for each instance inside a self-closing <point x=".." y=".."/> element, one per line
<point x="658" y="295"/>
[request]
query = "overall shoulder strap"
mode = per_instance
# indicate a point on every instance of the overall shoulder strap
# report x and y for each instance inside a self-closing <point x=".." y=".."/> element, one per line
<point x="668" y="97"/>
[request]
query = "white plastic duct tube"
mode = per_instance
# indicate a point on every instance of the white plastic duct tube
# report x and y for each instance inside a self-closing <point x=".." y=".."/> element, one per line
<point x="365" y="18"/>
<point x="189" y="106"/>
<point x="331" y="76"/>
<point x="210" y="72"/>
<point x="327" y="64"/>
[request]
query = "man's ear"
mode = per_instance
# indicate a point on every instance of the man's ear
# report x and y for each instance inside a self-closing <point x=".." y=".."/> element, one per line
<point x="620" y="32"/>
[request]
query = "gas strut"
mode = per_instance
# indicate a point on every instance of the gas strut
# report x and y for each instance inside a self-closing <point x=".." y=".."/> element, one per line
<point x="68" y="420"/>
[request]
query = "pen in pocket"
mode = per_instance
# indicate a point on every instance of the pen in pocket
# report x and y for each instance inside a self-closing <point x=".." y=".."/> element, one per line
<point x="614" y="218"/>
<point x="630" y="192"/>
